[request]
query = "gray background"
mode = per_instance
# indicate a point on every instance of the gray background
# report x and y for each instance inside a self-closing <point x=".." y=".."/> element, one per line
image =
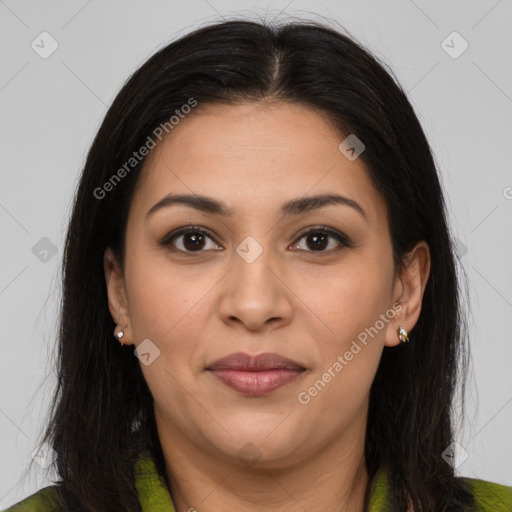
<point x="51" y="109"/>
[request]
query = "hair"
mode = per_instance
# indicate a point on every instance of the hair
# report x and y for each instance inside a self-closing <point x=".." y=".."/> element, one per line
<point x="102" y="412"/>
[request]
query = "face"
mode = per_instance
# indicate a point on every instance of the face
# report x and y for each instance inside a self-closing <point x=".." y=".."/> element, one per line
<point x="314" y="284"/>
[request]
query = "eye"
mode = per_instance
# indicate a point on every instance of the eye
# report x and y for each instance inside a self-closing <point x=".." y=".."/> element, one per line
<point x="317" y="240"/>
<point x="190" y="239"/>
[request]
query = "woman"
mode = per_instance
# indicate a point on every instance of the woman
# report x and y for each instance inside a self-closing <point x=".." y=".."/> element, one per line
<point x="260" y="218"/>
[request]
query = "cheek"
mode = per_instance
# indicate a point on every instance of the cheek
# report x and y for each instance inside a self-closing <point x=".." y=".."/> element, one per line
<point x="163" y="299"/>
<point x="349" y="299"/>
<point x="355" y="308"/>
<point x="166" y="306"/>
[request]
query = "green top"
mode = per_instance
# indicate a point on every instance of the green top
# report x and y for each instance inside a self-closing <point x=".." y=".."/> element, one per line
<point x="154" y="496"/>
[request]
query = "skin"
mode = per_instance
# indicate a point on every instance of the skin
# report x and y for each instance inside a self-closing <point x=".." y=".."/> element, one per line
<point x="305" y="304"/>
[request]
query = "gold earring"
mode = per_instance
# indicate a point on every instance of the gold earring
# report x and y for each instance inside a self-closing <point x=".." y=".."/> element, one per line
<point x="402" y="335"/>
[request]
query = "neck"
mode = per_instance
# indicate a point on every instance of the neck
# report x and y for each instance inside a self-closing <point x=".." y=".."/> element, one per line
<point x="333" y="477"/>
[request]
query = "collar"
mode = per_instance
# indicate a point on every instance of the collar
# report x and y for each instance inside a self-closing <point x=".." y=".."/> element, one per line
<point x="153" y="493"/>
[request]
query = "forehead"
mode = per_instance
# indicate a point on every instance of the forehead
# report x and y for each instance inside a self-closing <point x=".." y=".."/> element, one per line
<point x="252" y="154"/>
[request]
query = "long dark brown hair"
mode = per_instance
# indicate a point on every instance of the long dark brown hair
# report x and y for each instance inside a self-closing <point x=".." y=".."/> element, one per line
<point x="102" y="411"/>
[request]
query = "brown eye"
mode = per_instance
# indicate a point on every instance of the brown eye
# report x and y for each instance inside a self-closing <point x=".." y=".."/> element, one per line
<point x="320" y="239"/>
<point x="190" y="239"/>
<point x="193" y="241"/>
<point x="317" y="241"/>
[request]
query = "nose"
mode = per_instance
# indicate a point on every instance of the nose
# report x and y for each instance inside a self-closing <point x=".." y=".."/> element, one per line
<point x="255" y="296"/>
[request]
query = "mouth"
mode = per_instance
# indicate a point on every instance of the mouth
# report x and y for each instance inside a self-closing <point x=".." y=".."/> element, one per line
<point x="255" y="375"/>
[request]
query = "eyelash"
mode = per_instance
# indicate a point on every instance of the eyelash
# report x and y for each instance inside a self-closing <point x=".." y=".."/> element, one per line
<point x="342" y="239"/>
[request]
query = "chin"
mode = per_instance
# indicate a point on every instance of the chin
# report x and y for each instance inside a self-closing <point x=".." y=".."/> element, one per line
<point x="268" y="448"/>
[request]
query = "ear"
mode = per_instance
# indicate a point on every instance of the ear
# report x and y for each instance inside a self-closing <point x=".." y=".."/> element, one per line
<point x="408" y="292"/>
<point x="117" y="298"/>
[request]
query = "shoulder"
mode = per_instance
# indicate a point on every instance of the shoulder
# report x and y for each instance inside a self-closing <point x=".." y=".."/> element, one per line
<point x="44" y="500"/>
<point x="489" y="496"/>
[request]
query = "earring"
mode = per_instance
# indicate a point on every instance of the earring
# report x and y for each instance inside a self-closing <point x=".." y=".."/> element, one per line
<point x="119" y="335"/>
<point x="402" y="335"/>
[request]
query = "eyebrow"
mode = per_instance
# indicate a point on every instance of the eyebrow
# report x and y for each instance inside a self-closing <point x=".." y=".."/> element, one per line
<point x="294" y="207"/>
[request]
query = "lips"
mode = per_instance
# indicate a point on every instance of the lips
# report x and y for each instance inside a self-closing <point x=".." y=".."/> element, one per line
<point x="267" y="361"/>
<point x="255" y="375"/>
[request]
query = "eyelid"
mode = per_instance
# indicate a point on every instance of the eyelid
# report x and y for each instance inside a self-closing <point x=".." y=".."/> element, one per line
<point x="186" y="229"/>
